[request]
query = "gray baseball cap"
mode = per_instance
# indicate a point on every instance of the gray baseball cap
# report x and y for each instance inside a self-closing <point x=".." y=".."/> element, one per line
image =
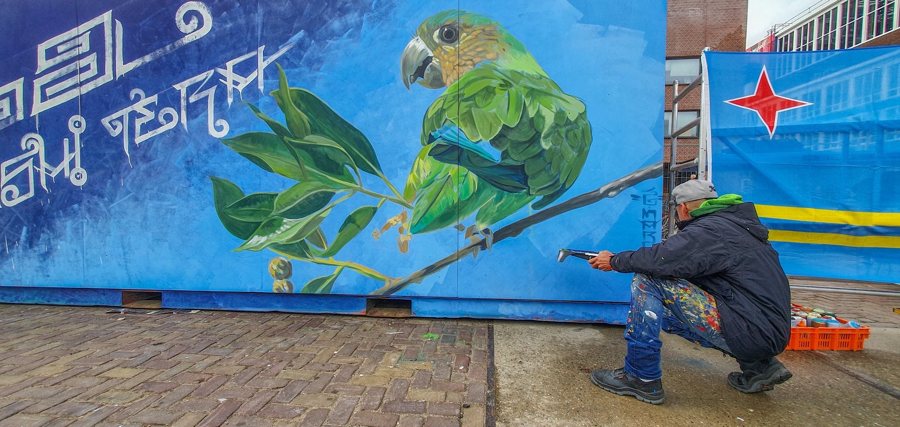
<point x="695" y="189"/>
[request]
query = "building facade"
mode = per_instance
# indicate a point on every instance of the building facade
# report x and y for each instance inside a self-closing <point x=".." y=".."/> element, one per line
<point x="694" y="25"/>
<point x="836" y="24"/>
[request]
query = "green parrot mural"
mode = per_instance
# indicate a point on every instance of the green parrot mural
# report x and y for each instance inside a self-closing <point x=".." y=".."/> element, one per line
<point x="502" y="134"/>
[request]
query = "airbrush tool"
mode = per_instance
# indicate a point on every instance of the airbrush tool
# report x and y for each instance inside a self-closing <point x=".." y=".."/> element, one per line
<point x="565" y="253"/>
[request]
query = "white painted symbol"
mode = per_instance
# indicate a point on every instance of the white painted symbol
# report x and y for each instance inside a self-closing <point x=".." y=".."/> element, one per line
<point x="21" y="170"/>
<point x="12" y="108"/>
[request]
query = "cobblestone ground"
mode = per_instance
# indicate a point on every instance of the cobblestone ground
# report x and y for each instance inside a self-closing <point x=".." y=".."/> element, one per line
<point x="86" y="366"/>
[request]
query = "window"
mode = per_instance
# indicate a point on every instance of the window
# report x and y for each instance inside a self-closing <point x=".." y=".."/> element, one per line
<point x="806" y="36"/>
<point x="893" y="86"/>
<point x="849" y="21"/>
<point x="815" y="99"/>
<point x="884" y="16"/>
<point x="811" y="35"/>
<point x="826" y="32"/>
<point x="684" y="117"/>
<point x="880" y="17"/>
<point x="837" y="96"/>
<point x="785" y="43"/>
<point x="821" y="33"/>
<point x="832" y="29"/>
<point x="860" y="13"/>
<point x="685" y="70"/>
<point x="866" y="88"/>
<point x="789" y="44"/>
<point x="871" y="20"/>
<point x="889" y="17"/>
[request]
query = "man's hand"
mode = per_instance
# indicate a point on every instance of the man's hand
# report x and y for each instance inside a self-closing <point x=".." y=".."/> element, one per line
<point x="601" y="261"/>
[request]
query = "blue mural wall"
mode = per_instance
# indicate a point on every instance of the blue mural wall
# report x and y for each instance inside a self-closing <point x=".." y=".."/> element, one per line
<point x="429" y="149"/>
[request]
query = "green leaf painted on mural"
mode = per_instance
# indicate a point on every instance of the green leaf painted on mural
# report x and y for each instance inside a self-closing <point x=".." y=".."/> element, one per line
<point x="270" y="152"/>
<point x="321" y="285"/>
<point x="353" y="224"/>
<point x="276" y="127"/>
<point x="299" y="250"/>
<point x="329" y="155"/>
<point x="278" y="230"/>
<point x="318" y="239"/>
<point x="297" y="121"/>
<point x="254" y="208"/>
<point x="325" y="121"/>
<point x="500" y="206"/>
<point x="225" y="193"/>
<point x="303" y="199"/>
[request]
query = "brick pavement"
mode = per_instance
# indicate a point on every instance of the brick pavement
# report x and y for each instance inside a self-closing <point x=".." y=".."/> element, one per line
<point x="871" y="310"/>
<point x="84" y="366"/>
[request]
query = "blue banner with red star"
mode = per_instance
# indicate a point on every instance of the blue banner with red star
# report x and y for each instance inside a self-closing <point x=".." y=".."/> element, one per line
<point x="813" y="138"/>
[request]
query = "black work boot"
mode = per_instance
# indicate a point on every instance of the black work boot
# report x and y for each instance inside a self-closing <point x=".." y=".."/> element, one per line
<point x="620" y="382"/>
<point x="759" y="376"/>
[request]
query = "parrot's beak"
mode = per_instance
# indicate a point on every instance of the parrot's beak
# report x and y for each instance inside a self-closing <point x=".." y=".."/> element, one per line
<point x="419" y="64"/>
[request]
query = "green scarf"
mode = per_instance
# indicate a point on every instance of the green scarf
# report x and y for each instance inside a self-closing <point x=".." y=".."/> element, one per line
<point x="717" y="204"/>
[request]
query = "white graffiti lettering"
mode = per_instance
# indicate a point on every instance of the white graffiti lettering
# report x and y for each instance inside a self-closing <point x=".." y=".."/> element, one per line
<point x="92" y="54"/>
<point x="11" y="103"/>
<point x="72" y="63"/>
<point x="215" y="127"/>
<point x="21" y="169"/>
<point x="186" y="19"/>
<point x="236" y="82"/>
<point x="118" y="123"/>
<point x="192" y="90"/>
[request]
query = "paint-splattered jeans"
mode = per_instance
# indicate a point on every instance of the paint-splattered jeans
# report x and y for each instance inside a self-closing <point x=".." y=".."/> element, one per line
<point x="672" y="305"/>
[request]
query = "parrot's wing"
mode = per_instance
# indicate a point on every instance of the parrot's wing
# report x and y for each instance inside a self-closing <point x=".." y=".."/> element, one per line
<point x="565" y="135"/>
<point x="526" y="117"/>
<point x="500" y="205"/>
<point x="442" y="193"/>
<point x="450" y="146"/>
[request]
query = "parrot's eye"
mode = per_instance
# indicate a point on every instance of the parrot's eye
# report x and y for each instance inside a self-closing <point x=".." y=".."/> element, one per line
<point x="448" y="33"/>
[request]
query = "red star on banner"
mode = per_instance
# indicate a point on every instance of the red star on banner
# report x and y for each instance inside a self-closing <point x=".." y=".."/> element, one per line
<point x="766" y="104"/>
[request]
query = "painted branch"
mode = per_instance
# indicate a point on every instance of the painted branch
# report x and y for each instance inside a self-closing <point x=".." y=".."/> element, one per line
<point x="611" y="189"/>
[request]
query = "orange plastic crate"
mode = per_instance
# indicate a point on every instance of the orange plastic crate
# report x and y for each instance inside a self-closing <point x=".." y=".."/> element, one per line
<point x="807" y="338"/>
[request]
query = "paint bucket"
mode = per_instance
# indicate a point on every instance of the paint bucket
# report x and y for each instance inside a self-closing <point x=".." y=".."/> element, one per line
<point x="833" y="323"/>
<point x="818" y="323"/>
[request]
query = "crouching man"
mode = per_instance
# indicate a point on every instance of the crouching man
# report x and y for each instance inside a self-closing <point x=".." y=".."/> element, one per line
<point x="717" y="282"/>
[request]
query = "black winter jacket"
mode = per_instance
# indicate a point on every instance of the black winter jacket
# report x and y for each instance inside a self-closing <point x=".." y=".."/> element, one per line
<point x="727" y="254"/>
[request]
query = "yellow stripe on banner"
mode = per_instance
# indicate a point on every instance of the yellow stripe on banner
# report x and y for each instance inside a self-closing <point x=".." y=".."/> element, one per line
<point x="830" y="216"/>
<point x="834" y="239"/>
